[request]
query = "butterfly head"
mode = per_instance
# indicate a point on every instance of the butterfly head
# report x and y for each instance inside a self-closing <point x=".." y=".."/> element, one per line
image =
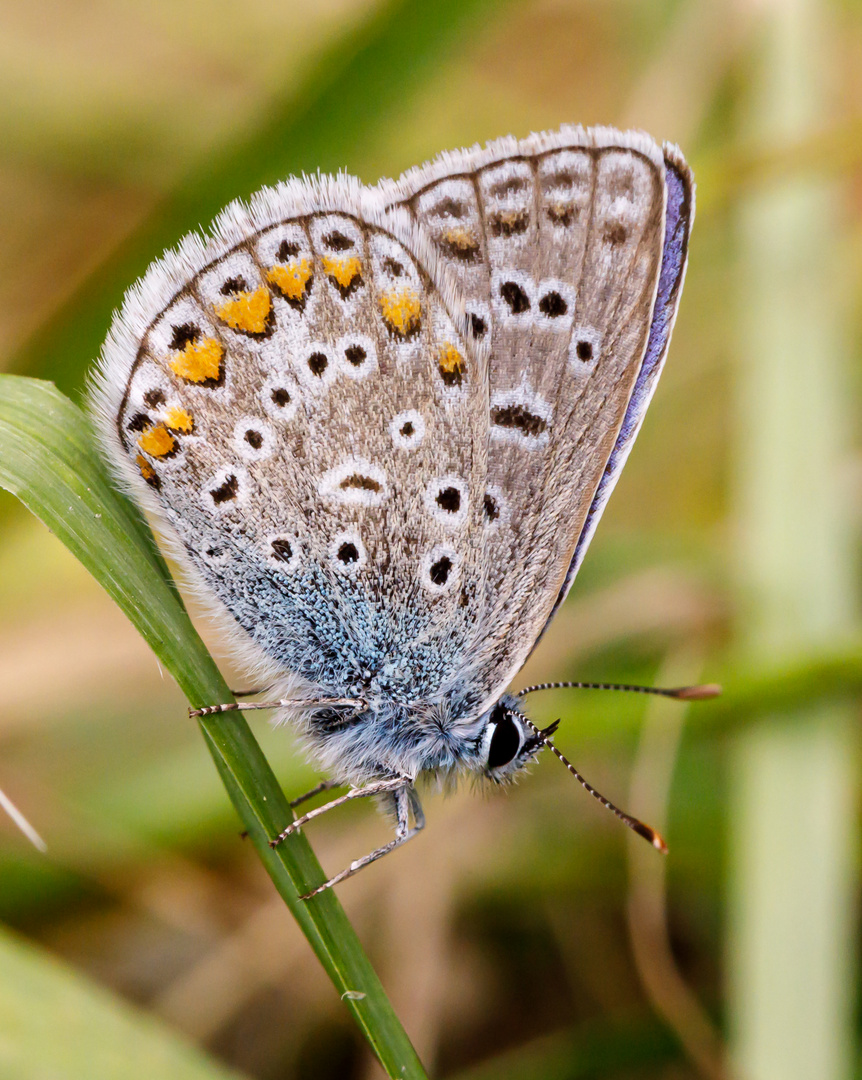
<point x="507" y="742"/>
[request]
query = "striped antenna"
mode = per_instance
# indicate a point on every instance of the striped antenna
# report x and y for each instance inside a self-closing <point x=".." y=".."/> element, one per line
<point x="646" y="831"/>
<point x="680" y="693"/>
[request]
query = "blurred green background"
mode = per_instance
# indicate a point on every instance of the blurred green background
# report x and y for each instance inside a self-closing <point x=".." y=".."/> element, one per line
<point x="522" y="935"/>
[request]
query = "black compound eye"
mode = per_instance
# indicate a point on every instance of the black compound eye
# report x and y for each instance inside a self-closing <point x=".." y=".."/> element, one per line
<point x="505" y="741"/>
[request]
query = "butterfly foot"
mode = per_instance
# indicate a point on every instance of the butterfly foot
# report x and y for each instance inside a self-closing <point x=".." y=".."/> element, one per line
<point x="213" y="710"/>
<point x="405" y="802"/>
<point x="395" y="784"/>
<point x="293" y="827"/>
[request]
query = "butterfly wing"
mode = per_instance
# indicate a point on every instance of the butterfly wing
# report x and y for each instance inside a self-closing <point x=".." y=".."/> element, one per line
<point x="378" y="426"/>
<point x="558" y="243"/>
<point x="679" y="216"/>
<point x="294" y="400"/>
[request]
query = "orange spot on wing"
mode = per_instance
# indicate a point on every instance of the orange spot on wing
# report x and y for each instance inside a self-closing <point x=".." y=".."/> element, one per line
<point x="450" y="359"/>
<point x="147" y="471"/>
<point x="177" y="419"/>
<point x="247" y="311"/>
<point x="451" y="364"/>
<point x="291" y="279"/>
<point x="157" y="441"/>
<point x="199" y="362"/>
<point x="342" y="271"/>
<point x="461" y="238"/>
<point x="401" y="311"/>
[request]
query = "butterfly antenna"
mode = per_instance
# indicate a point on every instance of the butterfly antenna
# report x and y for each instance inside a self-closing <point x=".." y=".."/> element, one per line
<point x="641" y="828"/>
<point x="680" y="693"/>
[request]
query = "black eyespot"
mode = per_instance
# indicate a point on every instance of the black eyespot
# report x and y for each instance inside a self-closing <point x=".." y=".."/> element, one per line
<point x="407" y="429"/>
<point x="478" y="326"/>
<point x="449" y="499"/>
<point x="553" y="305"/>
<point x="515" y="297"/>
<point x="287" y="250"/>
<point x="138" y="422"/>
<point x="505" y="741"/>
<point x="492" y="510"/>
<point x="317" y="363"/>
<point x="183" y="335"/>
<point x="282" y="550"/>
<point x="584" y="349"/>
<point x="254" y="439"/>
<point x="280" y="397"/>
<point x="361" y="483"/>
<point x="440" y="571"/>
<point x="337" y="241"/>
<point x="355" y="354"/>
<point x="234" y="285"/>
<point x="154" y="398"/>
<point x="450" y="208"/>
<point x="348" y="553"/>
<point x="226" y="491"/>
<point x="519" y="417"/>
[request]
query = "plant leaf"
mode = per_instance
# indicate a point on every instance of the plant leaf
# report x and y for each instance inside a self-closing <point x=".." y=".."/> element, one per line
<point x="48" y="458"/>
<point x="57" y="1023"/>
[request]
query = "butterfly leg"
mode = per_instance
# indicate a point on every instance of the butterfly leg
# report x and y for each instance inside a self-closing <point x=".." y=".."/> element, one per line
<point x="324" y="785"/>
<point x="376" y="787"/>
<point x="248" y="706"/>
<point x="406" y="801"/>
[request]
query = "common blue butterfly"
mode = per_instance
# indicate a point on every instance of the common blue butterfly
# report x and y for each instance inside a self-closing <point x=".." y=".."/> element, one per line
<point x="378" y="426"/>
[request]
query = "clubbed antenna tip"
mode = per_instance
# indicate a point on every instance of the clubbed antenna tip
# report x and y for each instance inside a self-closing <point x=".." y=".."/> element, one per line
<point x="648" y="833"/>
<point x="635" y="824"/>
<point x="697" y="693"/>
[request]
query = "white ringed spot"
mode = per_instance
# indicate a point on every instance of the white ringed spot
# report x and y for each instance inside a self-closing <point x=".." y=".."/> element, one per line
<point x="585" y="349"/>
<point x="447" y="500"/>
<point x="555" y="305"/>
<point x="355" y="482"/>
<point x="407" y="429"/>
<point x="521" y="416"/>
<point x="495" y="507"/>
<point x="356" y="356"/>
<point x="513" y="296"/>
<point x="225" y="490"/>
<point x="347" y="553"/>
<point x="316" y="366"/>
<point x="279" y="397"/>
<point x="440" y="569"/>
<point x="283" y="552"/>
<point x="253" y="438"/>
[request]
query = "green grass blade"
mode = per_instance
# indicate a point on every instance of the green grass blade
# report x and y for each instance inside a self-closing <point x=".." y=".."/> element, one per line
<point x="56" y="1023"/>
<point x="348" y="95"/>
<point x="48" y="459"/>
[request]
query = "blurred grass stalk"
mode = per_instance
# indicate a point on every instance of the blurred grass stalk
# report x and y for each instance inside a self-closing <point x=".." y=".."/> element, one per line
<point x="793" y="823"/>
<point x="350" y="91"/>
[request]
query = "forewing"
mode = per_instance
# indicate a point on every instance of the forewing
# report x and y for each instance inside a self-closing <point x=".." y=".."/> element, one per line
<point x="297" y="402"/>
<point x="556" y="242"/>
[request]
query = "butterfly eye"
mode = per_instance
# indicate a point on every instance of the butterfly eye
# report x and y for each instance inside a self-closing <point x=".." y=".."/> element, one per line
<point x="505" y="741"/>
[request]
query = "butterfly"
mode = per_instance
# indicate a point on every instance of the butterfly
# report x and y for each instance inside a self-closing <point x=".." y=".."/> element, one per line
<point x="377" y="427"/>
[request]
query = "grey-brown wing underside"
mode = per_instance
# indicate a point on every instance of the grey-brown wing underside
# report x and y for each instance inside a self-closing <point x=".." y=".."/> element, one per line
<point x="556" y="243"/>
<point x="301" y="411"/>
